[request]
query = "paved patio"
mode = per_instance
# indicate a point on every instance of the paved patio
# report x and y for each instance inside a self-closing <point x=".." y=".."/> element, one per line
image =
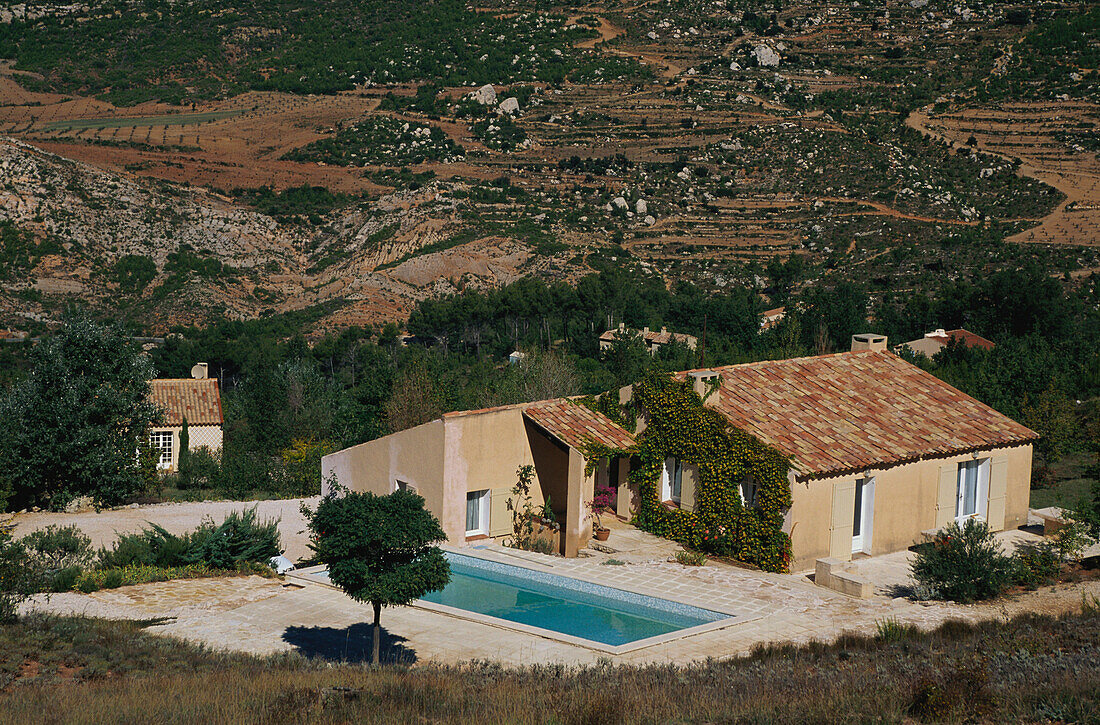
<point x="262" y="616"/>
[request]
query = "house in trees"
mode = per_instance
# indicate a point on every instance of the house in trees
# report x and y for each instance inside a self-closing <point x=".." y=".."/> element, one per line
<point x="196" y="400"/>
<point x="937" y="340"/>
<point x="875" y="452"/>
<point x="653" y="340"/>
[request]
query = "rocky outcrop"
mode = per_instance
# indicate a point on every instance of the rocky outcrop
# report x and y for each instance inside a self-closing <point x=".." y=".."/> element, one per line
<point x="486" y="95"/>
<point x="765" y="56"/>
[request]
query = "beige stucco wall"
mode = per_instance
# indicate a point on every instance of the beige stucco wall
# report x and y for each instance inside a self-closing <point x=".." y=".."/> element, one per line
<point x="414" y="456"/>
<point x="905" y="504"/>
<point x="199" y="436"/>
<point x="445" y="459"/>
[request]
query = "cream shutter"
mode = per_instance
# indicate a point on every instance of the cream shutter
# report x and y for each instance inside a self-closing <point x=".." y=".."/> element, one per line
<point x="687" y="487"/>
<point x="947" y="495"/>
<point x="844" y="509"/>
<point x="500" y="518"/>
<point x="998" y="488"/>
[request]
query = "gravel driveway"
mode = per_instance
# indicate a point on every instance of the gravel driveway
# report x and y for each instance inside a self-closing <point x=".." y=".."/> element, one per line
<point x="104" y="527"/>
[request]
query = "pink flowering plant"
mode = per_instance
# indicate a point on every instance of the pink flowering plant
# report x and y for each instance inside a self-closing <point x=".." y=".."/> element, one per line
<point x="602" y="499"/>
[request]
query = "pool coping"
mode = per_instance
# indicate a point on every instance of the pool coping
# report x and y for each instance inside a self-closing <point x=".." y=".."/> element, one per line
<point x="733" y="618"/>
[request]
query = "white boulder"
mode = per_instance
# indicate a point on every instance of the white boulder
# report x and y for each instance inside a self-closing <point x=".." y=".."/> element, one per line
<point x="486" y="95"/>
<point x="641" y="207"/>
<point x="765" y="56"/>
<point x="649" y="220"/>
<point x="619" y="202"/>
<point x="509" y="105"/>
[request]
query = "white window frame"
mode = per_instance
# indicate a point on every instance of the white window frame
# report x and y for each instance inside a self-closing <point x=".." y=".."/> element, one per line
<point x="981" y="501"/>
<point x="158" y="439"/>
<point x="483" y="498"/>
<point x="672" y="473"/>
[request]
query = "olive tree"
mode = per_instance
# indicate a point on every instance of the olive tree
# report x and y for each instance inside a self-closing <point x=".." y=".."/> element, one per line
<point x="379" y="549"/>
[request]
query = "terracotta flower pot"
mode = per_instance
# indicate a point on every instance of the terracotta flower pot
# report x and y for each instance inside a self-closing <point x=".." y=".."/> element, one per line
<point x="602" y="534"/>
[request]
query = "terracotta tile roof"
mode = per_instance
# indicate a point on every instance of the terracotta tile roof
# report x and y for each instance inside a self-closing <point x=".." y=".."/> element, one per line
<point x="652" y="337"/>
<point x="198" y="400"/>
<point x="576" y="425"/>
<point x="932" y="343"/>
<point x="853" y="411"/>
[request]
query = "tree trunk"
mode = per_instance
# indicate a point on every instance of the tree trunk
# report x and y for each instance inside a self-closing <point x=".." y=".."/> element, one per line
<point x="376" y="657"/>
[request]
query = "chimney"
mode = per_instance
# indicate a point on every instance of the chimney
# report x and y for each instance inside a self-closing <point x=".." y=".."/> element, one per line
<point x="199" y="372"/>
<point x="701" y="380"/>
<point x="622" y="327"/>
<point x="938" y="332"/>
<point x="645" y="330"/>
<point x="663" y="329"/>
<point x="868" y="341"/>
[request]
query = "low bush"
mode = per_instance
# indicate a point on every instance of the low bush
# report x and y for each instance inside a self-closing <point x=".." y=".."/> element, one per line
<point x="691" y="558"/>
<point x="964" y="564"/>
<point x="96" y="579"/>
<point x="1037" y="564"/>
<point x="18" y="576"/>
<point x="241" y="538"/>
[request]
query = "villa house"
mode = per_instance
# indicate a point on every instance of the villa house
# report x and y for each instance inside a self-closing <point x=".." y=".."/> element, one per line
<point x="653" y="340"/>
<point x="881" y="452"/>
<point x="937" y="340"/>
<point x="195" y="399"/>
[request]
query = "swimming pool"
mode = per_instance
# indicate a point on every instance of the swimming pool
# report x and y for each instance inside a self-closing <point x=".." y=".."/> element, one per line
<point x="559" y="604"/>
<point x="563" y="608"/>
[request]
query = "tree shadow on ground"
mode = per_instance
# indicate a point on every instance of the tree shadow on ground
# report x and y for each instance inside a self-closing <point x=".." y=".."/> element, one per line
<point x="350" y="644"/>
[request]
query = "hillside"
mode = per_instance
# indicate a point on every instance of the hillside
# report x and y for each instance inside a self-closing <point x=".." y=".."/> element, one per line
<point x="358" y="172"/>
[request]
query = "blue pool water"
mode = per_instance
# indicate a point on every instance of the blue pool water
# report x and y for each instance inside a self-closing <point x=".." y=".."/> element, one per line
<point x="564" y="605"/>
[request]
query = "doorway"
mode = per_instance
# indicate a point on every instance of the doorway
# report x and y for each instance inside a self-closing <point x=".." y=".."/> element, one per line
<point x="863" y="515"/>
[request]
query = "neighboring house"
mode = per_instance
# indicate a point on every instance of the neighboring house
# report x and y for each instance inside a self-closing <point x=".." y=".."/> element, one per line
<point x="881" y="452"/>
<point x="516" y="357"/>
<point x="937" y="340"/>
<point x="653" y="340"/>
<point x="771" y="318"/>
<point x="198" y="400"/>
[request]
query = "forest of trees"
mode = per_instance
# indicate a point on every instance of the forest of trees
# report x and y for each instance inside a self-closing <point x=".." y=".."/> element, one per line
<point x="287" y="402"/>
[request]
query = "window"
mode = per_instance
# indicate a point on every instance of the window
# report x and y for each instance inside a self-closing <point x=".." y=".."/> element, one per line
<point x="748" y="492"/>
<point x="161" y="440"/>
<point x="477" y="513"/>
<point x="672" y="481"/>
<point x="972" y="487"/>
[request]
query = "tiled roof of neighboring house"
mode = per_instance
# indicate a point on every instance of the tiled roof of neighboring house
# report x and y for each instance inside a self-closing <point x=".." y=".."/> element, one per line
<point x="933" y="342"/>
<point x="576" y="425"/>
<point x="651" y="337"/>
<point x="198" y="400"/>
<point x="848" y="412"/>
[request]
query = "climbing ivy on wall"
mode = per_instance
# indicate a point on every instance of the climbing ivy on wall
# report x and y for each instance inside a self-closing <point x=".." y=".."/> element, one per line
<point x="679" y="425"/>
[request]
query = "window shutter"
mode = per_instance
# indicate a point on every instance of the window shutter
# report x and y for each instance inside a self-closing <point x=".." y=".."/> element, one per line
<point x="844" y="509"/>
<point x="500" y="518"/>
<point x="687" y="487"/>
<point x="998" y="488"/>
<point x="947" y="495"/>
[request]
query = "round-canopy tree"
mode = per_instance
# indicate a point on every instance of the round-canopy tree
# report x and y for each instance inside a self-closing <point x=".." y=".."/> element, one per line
<point x="379" y="549"/>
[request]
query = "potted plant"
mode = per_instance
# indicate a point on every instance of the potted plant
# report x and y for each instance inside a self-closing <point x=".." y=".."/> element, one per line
<point x="602" y="499"/>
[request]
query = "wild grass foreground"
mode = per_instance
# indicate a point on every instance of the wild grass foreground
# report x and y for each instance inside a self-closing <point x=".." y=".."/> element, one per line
<point x="1033" y="669"/>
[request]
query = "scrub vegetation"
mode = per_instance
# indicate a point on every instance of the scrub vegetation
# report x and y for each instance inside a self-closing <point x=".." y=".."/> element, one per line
<point x="98" y="671"/>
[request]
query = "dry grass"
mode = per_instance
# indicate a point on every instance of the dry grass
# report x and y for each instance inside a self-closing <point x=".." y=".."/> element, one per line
<point x="94" y="671"/>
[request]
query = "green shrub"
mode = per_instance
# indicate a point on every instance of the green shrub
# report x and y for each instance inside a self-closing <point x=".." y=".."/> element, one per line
<point x="55" y="548"/>
<point x="964" y="564"/>
<point x="19" y="578"/>
<point x="1037" y="564"/>
<point x="240" y="538"/>
<point x="64" y="579"/>
<point x="691" y="558"/>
